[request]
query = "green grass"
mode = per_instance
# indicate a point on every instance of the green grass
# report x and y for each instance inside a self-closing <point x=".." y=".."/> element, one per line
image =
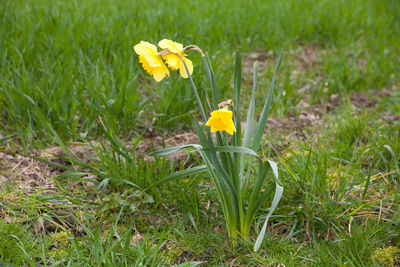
<point x="339" y="206"/>
<point x="70" y="62"/>
<point x="68" y="72"/>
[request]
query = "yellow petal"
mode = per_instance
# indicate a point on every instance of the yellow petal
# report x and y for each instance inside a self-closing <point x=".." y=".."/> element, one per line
<point x="211" y="121"/>
<point x="158" y="69"/>
<point x="172" y="61"/>
<point x="231" y="128"/>
<point x="154" y="61"/>
<point x="145" y="49"/>
<point x="182" y="68"/>
<point x="172" y="46"/>
<point x="159" y="73"/>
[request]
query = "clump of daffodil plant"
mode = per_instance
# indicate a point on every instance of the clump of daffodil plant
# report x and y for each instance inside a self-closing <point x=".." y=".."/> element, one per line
<point x="229" y="161"/>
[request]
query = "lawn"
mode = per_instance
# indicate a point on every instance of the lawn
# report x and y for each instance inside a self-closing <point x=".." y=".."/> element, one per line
<point x="79" y="119"/>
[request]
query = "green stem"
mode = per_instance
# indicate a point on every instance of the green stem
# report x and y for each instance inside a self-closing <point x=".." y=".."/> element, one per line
<point x="203" y="114"/>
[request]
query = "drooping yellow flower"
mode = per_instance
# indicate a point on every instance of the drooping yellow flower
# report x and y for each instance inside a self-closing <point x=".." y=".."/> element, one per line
<point x="151" y="61"/>
<point x="221" y="120"/>
<point x="173" y="60"/>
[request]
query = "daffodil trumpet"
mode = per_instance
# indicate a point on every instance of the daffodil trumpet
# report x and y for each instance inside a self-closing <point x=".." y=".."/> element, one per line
<point x="229" y="161"/>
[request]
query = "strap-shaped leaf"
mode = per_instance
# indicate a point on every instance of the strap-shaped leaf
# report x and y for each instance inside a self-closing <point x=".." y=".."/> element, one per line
<point x="167" y="151"/>
<point x="248" y="131"/>
<point x="221" y="173"/>
<point x="211" y="78"/>
<point x="184" y="173"/>
<point x="275" y="201"/>
<point x="249" y="128"/>
<point x="274" y="168"/>
<point x="236" y="149"/>
<point x="236" y="84"/>
<point x="200" y="134"/>
<point x="265" y="111"/>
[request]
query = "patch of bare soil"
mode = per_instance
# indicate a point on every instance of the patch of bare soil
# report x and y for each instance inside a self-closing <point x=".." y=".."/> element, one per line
<point x="292" y="128"/>
<point x="26" y="172"/>
<point x="29" y="174"/>
<point x="305" y="57"/>
<point x="306" y="124"/>
<point x="263" y="59"/>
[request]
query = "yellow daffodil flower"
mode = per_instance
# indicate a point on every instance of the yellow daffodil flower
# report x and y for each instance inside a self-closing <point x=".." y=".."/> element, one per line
<point x="221" y="120"/>
<point x="151" y="60"/>
<point x="173" y="60"/>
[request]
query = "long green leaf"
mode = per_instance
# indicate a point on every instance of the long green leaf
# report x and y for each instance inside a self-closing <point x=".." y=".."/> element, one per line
<point x="226" y="162"/>
<point x="275" y="201"/>
<point x="263" y="197"/>
<point x="167" y="151"/>
<point x="236" y="149"/>
<point x="184" y="173"/>
<point x="236" y="85"/>
<point x="217" y="182"/>
<point x="211" y="76"/>
<point x="200" y="134"/>
<point x="237" y="137"/>
<point x="261" y="176"/>
<point x="248" y="131"/>
<point x="265" y="111"/>
<point x="214" y="90"/>
<point x="222" y="174"/>
<point x="274" y="168"/>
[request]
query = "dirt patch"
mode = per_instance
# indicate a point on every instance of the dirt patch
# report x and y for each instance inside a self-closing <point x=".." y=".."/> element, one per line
<point x="263" y="59"/>
<point x="26" y="173"/>
<point x="78" y="150"/>
<point x="309" y="56"/>
<point x="360" y="100"/>
<point x="305" y="58"/>
<point x="29" y="174"/>
<point x="292" y="128"/>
